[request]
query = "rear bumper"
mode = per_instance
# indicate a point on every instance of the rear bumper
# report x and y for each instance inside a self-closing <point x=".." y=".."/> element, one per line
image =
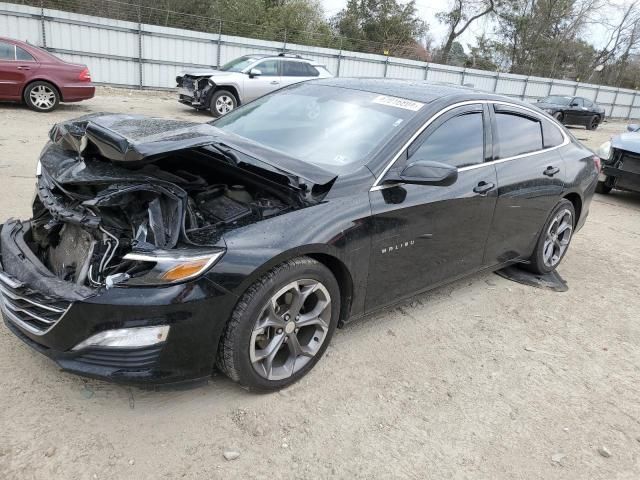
<point x="195" y="311"/>
<point x="77" y="92"/>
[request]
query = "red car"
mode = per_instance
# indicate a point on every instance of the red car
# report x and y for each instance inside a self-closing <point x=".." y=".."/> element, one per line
<point x="40" y="79"/>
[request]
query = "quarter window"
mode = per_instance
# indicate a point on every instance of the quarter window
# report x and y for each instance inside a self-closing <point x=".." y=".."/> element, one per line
<point x="7" y="51"/>
<point x="459" y="142"/>
<point x="23" y="55"/>
<point x="517" y="135"/>
<point x="551" y="135"/>
<point x="269" y="68"/>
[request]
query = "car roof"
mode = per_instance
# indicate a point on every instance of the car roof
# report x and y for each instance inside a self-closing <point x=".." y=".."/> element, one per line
<point x="416" y="90"/>
<point x="13" y="40"/>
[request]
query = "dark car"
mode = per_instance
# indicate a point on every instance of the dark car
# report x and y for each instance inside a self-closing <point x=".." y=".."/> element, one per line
<point x="159" y="248"/>
<point x="620" y="162"/>
<point x="573" y="110"/>
<point x="34" y="76"/>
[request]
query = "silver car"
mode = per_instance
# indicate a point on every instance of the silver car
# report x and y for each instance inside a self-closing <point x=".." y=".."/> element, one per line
<point x="244" y="79"/>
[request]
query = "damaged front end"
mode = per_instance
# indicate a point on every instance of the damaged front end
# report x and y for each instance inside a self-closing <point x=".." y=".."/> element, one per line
<point x="108" y="276"/>
<point x="128" y="200"/>
<point x="194" y="90"/>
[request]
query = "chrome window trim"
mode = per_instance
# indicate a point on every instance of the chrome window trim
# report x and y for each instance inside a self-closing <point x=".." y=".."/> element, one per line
<point x="376" y="184"/>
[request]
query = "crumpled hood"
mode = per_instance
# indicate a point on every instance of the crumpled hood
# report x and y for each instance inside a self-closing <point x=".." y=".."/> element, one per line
<point x="629" y="141"/>
<point x="131" y="139"/>
<point x="208" y="73"/>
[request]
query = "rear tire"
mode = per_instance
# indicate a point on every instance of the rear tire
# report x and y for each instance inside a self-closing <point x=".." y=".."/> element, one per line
<point x="271" y="341"/>
<point x="593" y="122"/>
<point x="222" y="102"/>
<point x="41" y="97"/>
<point x="554" y="239"/>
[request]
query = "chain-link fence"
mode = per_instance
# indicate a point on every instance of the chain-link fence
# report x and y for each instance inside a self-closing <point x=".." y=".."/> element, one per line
<point x="123" y="49"/>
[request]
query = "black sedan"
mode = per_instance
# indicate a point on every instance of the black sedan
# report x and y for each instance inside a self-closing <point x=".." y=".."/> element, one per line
<point x="573" y="110"/>
<point x="160" y="249"/>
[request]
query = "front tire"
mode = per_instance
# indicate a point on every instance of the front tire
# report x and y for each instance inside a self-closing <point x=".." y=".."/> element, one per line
<point x="554" y="239"/>
<point x="603" y="188"/>
<point x="222" y="102"/>
<point x="559" y="116"/>
<point x="41" y="96"/>
<point x="281" y="326"/>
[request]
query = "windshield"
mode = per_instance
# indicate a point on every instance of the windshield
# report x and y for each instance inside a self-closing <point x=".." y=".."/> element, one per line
<point x="334" y="128"/>
<point x="238" y="64"/>
<point x="557" y="100"/>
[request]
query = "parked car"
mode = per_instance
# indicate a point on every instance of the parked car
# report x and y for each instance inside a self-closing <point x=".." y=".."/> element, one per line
<point x="573" y="110"/>
<point x="34" y="76"/>
<point x="160" y="248"/>
<point x="244" y="79"/>
<point x="620" y="162"/>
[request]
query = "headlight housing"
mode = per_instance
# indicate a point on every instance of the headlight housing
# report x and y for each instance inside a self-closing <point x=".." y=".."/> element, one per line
<point x="604" y="150"/>
<point x="166" y="267"/>
<point x="126" y="338"/>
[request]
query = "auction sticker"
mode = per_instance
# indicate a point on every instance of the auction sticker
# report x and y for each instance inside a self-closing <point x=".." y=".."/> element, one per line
<point x="398" y="102"/>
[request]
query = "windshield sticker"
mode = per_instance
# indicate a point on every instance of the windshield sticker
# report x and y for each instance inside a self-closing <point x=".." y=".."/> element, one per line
<point x="398" y="103"/>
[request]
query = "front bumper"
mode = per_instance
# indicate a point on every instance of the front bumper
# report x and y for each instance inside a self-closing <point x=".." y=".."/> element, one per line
<point x="196" y="312"/>
<point x="196" y="97"/>
<point x="621" y="179"/>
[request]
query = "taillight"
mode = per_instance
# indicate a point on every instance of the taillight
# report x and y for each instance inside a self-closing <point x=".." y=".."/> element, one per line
<point x="85" y="75"/>
<point x="597" y="163"/>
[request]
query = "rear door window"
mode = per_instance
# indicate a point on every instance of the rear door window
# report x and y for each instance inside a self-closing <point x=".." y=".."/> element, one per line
<point x="298" y="69"/>
<point x="7" y="51"/>
<point x="517" y="134"/>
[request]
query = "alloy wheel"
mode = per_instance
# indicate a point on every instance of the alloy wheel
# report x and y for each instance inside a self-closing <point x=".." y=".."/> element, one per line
<point x="290" y="329"/>
<point x="42" y="97"/>
<point x="557" y="238"/>
<point x="224" y="104"/>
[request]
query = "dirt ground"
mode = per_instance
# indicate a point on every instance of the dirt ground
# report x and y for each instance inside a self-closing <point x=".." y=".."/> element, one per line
<point x="483" y="378"/>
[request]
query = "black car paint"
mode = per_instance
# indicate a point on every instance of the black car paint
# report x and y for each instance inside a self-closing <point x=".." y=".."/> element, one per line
<point x="576" y="113"/>
<point x="382" y="245"/>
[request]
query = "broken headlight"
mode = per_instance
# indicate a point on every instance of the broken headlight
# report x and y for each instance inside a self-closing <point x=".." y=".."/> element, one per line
<point x="604" y="151"/>
<point x="164" y="267"/>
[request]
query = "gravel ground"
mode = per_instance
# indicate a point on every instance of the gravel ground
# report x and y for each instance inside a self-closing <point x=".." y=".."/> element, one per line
<point x="483" y="378"/>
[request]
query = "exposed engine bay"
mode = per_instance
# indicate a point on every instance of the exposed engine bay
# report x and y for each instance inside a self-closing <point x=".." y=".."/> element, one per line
<point x="95" y="207"/>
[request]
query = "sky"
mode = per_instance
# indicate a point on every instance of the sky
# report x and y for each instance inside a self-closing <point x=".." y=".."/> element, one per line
<point x="427" y="10"/>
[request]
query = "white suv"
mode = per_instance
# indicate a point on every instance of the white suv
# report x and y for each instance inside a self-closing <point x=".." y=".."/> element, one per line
<point x="242" y="80"/>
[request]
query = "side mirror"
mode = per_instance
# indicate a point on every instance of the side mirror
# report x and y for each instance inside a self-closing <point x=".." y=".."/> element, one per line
<point x="633" y="127"/>
<point x="573" y="105"/>
<point x="254" y="72"/>
<point x="425" y="172"/>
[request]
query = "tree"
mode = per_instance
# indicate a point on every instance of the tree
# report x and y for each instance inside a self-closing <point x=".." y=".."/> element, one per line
<point x="461" y="15"/>
<point x="392" y="26"/>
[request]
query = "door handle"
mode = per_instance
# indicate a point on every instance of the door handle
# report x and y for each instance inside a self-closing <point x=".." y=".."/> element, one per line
<point x="551" y="171"/>
<point x="274" y="82"/>
<point x="22" y="67"/>
<point x="483" y="187"/>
